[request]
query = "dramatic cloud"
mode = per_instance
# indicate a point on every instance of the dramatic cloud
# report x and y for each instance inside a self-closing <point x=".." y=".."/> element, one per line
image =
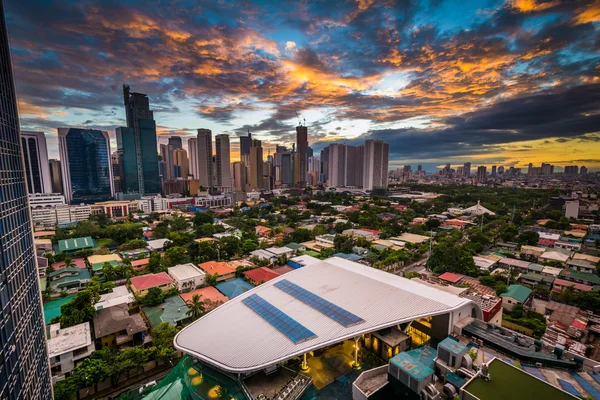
<point x="438" y="79"/>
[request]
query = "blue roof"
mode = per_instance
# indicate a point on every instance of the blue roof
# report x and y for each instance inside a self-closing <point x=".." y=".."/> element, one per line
<point x="455" y="380"/>
<point x="413" y="367"/>
<point x="234" y="287"/>
<point x="351" y="257"/>
<point x="424" y="354"/>
<point x="452" y="346"/>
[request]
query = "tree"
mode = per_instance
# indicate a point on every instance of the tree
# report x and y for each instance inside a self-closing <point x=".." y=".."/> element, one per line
<point x="500" y="288"/>
<point x="133" y="245"/>
<point x="453" y="258"/>
<point x="211" y="280"/>
<point x="249" y="245"/>
<point x="124" y="232"/>
<point x="343" y="244"/>
<point x="162" y="339"/>
<point x="206" y="230"/>
<point x="154" y="297"/>
<point x="196" y="308"/>
<point x="64" y="390"/>
<point x="154" y="263"/>
<point x="87" y="228"/>
<point x="202" y="218"/>
<point x="79" y="310"/>
<point x="130" y="359"/>
<point x="301" y="235"/>
<point x="178" y="224"/>
<point x="529" y="238"/>
<point x="229" y="246"/>
<point x="175" y="256"/>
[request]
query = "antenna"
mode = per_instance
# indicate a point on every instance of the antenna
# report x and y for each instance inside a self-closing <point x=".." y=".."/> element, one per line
<point x="298" y="116"/>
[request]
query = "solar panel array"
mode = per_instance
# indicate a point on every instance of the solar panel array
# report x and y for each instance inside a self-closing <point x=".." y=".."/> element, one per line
<point x="291" y="328"/>
<point x="334" y="312"/>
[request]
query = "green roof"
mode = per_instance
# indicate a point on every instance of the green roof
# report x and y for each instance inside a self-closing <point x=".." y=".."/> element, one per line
<point x="538" y="277"/>
<point x="98" y="266"/>
<point x="535" y="267"/>
<point x="70" y="245"/>
<point x="172" y="311"/>
<point x="52" y="308"/>
<point x="310" y="253"/>
<point x="509" y="382"/>
<point x="517" y="292"/>
<point x="293" y="246"/>
<point x="82" y="277"/>
<point x="573" y="275"/>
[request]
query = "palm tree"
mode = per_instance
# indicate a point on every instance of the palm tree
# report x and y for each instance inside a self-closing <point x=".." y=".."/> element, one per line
<point x="69" y="263"/>
<point x="196" y="308"/>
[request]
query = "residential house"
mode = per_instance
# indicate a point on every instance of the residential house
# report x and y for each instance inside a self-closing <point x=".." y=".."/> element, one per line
<point x="509" y="263"/>
<point x="73" y="245"/>
<point x="142" y="283"/>
<point x="579" y="277"/>
<point x="561" y="284"/>
<point x="263" y="231"/>
<point x="411" y="238"/>
<point x="555" y="255"/>
<point x="209" y="295"/>
<point x="42" y="246"/>
<point x="70" y="280"/>
<point x="173" y="310"/>
<point x="115" y="326"/>
<point x="66" y="347"/>
<point x="581" y="265"/>
<point x="75" y="263"/>
<point x="532" y="253"/>
<point x="97" y="262"/>
<point x="156" y="244"/>
<point x="119" y="295"/>
<point x="260" y="275"/>
<point x="187" y="276"/>
<point x="516" y="294"/>
<point x="223" y="269"/>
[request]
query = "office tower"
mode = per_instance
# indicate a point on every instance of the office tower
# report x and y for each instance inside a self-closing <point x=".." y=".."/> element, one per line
<point x="35" y="155"/>
<point x="193" y="157"/>
<point x="166" y="152"/>
<point x="460" y="170"/>
<point x="136" y="145"/>
<point x="205" y="158"/>
<point x="55" y="176"/>
<point x="314" y="170"/>
<point x="481" y="174"/>
<point x="238" y="172"/>
<point x="245" y="144"/>
<point x="286" y="175"/>
<point x="583" y="170"/>
<point x="255" y="176"/>
<point x="376" y="157"/>
<point x="222" y="158"/>
<point x="419" y="168"/>
<point x="162" y="170"/>
<point x="324" y="165"/>
<point x="300" y="166"/>
<point x="493" y="170"/>
<point x="501" y="170"/>
<point x="180" y="163"/>
<point x="86" y="165"/>
<point x="175" y="141"/>
<point x="116" y="171"/>
<point x="24" y="369"/>
<point x="530" y="169"/>
<point x="467" y="169"/>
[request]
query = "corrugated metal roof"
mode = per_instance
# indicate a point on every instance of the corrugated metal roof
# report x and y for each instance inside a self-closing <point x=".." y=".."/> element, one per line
<point x="380" y="298"/>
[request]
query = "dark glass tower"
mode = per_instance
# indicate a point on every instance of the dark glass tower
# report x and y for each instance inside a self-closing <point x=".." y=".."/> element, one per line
<point x="24" y="371"/>
<point x="86" y="165"/>
<point x="136" y="144"/>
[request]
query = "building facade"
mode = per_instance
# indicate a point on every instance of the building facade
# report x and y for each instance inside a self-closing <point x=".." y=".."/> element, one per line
<point x="223" y="163"/>
<point x="56" y="176"/>
<point x="193" y="157"/>
<point x="301" y="156"/>
<point x="180" y="163"/>
<point x="86" y="165"/>
<point x="376" y="158"/>
<point x="255" y="178"/>
<point x="35" y="156"/>
<point x="205" y="170"/>
<point x="24" y="368"/>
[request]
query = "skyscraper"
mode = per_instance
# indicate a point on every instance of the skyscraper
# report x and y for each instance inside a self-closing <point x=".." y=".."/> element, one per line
<point x="166" y="153"/>
<point x="346" y="165"/>
<point x="240" y="180"/>
<point x="136" y="145"/>
<point x="180" y="163"/>
<point x="35" y="155"/>
<point x="376" y="158"/>
<point x="223" y="162"/>
<point x="245" y="144"/>
<point x="86" y="165"/>
<point x="255" y="178"/>
<point x="55" y="176"/>
<point x="493" y="170"/>
<point x="24" y="370"/>
<point x="193" y="157"/>
<point x="301" y="165"/>
<point x="205" y="170"/>
<point x="175" y="141"/>
<point x="481" y="174"/>
<point x="467" y="169"/>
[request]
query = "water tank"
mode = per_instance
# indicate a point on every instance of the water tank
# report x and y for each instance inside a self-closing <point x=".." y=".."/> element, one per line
<point x="449" y="391"/>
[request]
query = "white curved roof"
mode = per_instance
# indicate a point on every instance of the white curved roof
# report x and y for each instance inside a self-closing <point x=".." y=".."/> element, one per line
<point x="235" y="338"/>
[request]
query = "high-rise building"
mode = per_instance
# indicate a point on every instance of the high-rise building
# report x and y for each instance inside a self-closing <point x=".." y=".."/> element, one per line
<point x="324" y="165"/>
<point x="255" y="176"/>
<point x="493" y="170"/>
<point x="24" y="370"/>
<point x="176" y="142"/>
<point x="205" y="164"/>
<point x="55" y="176"/>
<point x="583" y="170"/>
<point x="376" y="158"/>
<point x="238" y="172"/>
<point x="547" y="169"/>
<point x="530" y="169"/>
<point x="193" y="157"/>
<point x="571" y="170"/>
<point x="346" y="165"/>
<point x="501" y="170"/>
<point x="35" y="155"/>
<point x="86" y="165"/>
<point x="467" y="169"/>
<point x="223" y="163"/>
<point x="481" y="174"/>
<point x="245" y="144"/>
<point x="166" y="153"/>
<point x="136" y="146"/>
<point x="301" y="165"/>
<point x="180" y="163"/>
<point x="116" y="171"/>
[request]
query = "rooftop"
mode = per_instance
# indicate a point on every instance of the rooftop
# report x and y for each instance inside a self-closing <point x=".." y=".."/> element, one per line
<point x="517" y="292"/>
<point x="150" y="280"/>
<point x="356" y="290"/>
<point x="509" y="382"/>
<point x="184" y="272"/>
<point x="571" y="274"/>
<point x="217" y="267"/>
<point x="75" y="263"/>
<point x="172" y="311"/>
<point x="262" y="274"/>
<point x="76" y="244"/>
<point x="451" y="277"/>
<point x="116" y="319"/>
<point x="234" y="287"/>
<point x="97" y="261"/>
<point x="69" y="339"/>
<point x="453" y="346"/>
<point x="412" y="366"/>
<point x="207" y="294"/>
<point x="119" y="295"/>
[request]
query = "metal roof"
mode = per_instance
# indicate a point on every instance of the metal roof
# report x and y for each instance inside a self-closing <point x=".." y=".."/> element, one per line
<point x="380" y="298"/>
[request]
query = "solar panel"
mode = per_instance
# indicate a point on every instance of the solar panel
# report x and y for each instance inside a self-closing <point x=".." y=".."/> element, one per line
<point x="291" y="328"/>
<point x="334" y="312"/>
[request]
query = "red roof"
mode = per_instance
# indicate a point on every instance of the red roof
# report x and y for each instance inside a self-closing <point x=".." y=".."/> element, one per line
<point x="560" y="283"/>
<point x="209" y="293"/>
<point x="546" y="242"/>
<point x="148" y="234"/>
<point x="579" y="324"/>
<point x="373" y="231"/>
<point x="284" y="269"/>
<point x="150" y="280"/>
<point x="262" y="274"/>
<point x="451" y="277"/>
<point x="79" y="263"/>
<point x="140" y="263"/>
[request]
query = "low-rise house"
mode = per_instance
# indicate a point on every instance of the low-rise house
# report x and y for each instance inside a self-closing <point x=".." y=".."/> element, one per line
<point x="223" y="270"/>
<point x="451" y="277"/>
<point x="534" y="279"/>
<point x="263" y="255"/>
<point x="581" y="266"/>
<point x="66" y="347"/>
<point x="485" y="264"/>
<point x="209" y="295"/>
<point x="319" y="244"/>
<point x="234" y="287"/>
<point x="507" y="262"/>
<point x="263" y="231"/>
<point x="532" y="252"/>
<point x="73" y="245"/>
<point x="114" y="327"/>
<point x="187" y="276"/>
<point x="388" y="244"/>
<point x="142" y="283"/>
<point x="141" y="264"/>
<point x="156" y="244"/>
<point x="295" y="246"/>
<point x="257" y="276"/>
<point x="579" y="277"/>
<point x="554" y="255"/>
<point x="411" y="238"/>
<point x="42" y="246"/>
<point x="281" y="251"/>
<point x="562" y="284"/>
<point x="516" y="294"/>
<point x="118" y="296"/>
<point x="367" y="234"/>
<point x="551" y="271"/>
<point x="572" y="246"/>
<point x="75" y="263"/>
<point x="173" y="310"/>
<point x="549" y="236"/>
<point x="97" y="262"/>
<point x="70" y="280"/>
<point x="586" y="257"/>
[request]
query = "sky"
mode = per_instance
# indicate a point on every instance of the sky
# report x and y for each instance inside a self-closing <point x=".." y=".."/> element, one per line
<point x="490" y="82"/>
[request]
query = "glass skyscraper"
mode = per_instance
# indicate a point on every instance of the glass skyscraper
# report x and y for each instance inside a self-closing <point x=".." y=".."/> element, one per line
<point x="136" y="146"/>
<point x="86" y="165"/>
<point x="24" y="371"/>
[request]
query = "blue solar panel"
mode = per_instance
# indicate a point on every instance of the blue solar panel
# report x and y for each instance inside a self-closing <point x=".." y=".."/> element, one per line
<point x="592" y="391"/>
<point x="595" y="376"/>
<point x="334" y="312"/>
<point x="535" y="372"/>
<point x="567" y="387"/>
<point x="280" y="320"/>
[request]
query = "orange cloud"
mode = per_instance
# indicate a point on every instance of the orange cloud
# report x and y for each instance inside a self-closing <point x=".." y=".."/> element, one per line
<point x="527" y="6"/>
<point x="588" y="14"/>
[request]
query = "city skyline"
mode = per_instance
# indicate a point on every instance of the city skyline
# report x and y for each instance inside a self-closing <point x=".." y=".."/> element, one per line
<point x="504" y="83"/>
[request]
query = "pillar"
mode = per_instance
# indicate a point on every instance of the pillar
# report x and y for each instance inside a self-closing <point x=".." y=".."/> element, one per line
<point x="304" y="365"/>
<point x="355" y="364"/>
